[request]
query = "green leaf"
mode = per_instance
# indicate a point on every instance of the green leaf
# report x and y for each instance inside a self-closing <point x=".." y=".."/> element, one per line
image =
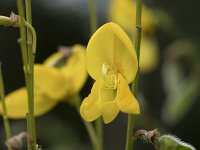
<point x="170" y="142"/>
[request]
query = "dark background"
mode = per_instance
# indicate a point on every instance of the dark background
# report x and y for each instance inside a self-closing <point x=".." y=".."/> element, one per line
<point x="64" y="22"/>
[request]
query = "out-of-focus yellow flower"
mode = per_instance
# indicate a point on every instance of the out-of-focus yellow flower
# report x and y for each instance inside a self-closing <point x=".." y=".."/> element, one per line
<point x="60" y="76"/>
<point x="49" y="87"/>
<point x="17" y="104"/>
<point x="73" y="67"/>
<point x="50" y="82"/>
<point x="123" y="12"/>
<point x="111" y="61"/>
<point x="148" y="55"/>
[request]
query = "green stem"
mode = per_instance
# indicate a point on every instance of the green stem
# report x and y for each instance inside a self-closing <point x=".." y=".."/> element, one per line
<point x="31" y="54"/>
<point x="93" y="28"/>
<point x="88" y="126"/>
<point x="28" y="72"/>
<point x="99" y="131"/>
<point x="129" y="141"/>
<point x="4" y="112"/>
<point x="28" y="11"/>
<point x="93" y="18"/>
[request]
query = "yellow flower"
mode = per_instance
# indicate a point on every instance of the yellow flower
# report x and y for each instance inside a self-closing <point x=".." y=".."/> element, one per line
<point x="111" y="61"/>
<point x="148" y="55"/>
<point x="123" y="12"/>
<point x="51" y="83"/>
<point x="73" y="67"/>
<point x="49" y="86"/>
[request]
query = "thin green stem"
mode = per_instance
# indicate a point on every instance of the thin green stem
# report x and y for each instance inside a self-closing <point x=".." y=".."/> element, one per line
<point x="22" y="39"/>
<point x="92" y="15"/>
<point x="88" y="126"/>
<point x="99" y="131"/>
<point x="29" y="72"/>
<point x="129" y="140"/>
<point x="4" y="112"/>
<point x="33" y="37"/>
<point x="28" y="11"/>
<point x="31" y="54"/>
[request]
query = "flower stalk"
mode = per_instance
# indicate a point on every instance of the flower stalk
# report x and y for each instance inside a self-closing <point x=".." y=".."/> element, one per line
<point x="5" y="117"/>
<point x="89" y="127"/>
<point x="92" y="15"/>
<point x="28" y="61"/>
<point x="138" y="34"/>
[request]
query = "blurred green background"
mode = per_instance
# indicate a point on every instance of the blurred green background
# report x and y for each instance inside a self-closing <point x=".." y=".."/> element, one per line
<point x="66" y="22"/>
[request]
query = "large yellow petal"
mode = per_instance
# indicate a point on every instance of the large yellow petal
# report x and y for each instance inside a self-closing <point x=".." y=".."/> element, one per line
<point x="101" y="101"/>
<point x="125" y="99"/>
<point x="112" y="46"/>
<point x="50" y="82"/>
<point x="90" y="108"/>
<point x="74" y="68"/>
<point x="17" y="104"/>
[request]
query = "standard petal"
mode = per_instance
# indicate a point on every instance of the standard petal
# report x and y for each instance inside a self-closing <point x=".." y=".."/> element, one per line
<point x="17" y="104"/>
<point x="50" y="81"/>
<point x="125" y="99"/>
<point x="90" y="108"/>
<point x="112" y="46"/>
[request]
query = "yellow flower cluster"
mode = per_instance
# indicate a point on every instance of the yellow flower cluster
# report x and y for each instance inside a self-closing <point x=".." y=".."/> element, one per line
<point x="59" y="77"/>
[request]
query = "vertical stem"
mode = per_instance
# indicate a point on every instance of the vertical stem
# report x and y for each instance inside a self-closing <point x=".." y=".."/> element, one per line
<point x="4" y="112"/>
<point x="93" y="28"/>
<point x="99" y="131"/>
<point x="29" y="72"/>
<point x="31" y="53"/>
<point x="93" y="18"/>
<point x="129" y="141"/>
<point x="28" y="11"/>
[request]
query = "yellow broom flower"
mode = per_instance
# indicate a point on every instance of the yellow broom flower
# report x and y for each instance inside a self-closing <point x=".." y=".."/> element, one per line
<point x="49" y="86"/>
<point x="112" y="62"/>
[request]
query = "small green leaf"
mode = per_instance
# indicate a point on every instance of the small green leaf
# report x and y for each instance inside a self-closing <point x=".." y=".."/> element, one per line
<point x="171" y="142"/>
